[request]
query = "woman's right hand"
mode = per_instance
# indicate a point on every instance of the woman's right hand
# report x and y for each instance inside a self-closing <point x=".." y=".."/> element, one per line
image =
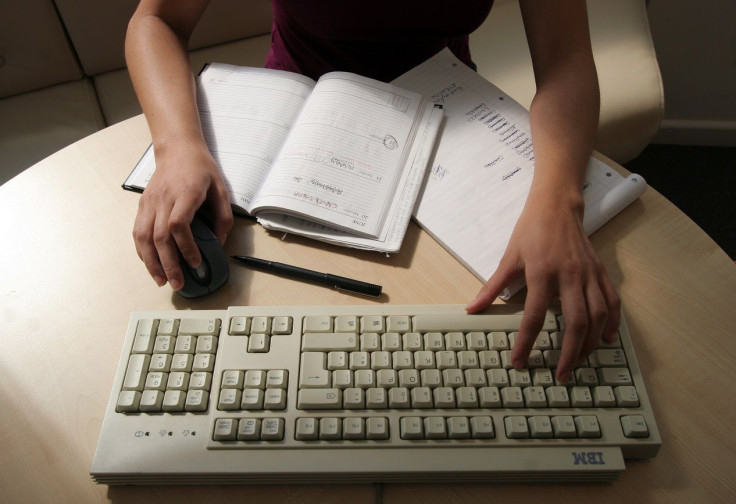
<point x="186" y="177"/>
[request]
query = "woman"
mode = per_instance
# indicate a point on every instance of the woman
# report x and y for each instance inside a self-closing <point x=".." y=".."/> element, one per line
<point x="383" y="39"/>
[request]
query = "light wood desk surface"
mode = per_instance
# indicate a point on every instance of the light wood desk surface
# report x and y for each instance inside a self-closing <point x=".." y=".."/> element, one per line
<point x="70" y="278"/>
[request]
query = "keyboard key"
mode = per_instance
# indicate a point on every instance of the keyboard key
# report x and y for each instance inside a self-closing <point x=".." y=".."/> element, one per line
<point x="346" y="323"/>
<point x="564" y="427"/>
<point x="580" y="397"/>
<point x="196" y="400"/>
<point x="182" y="362"/>
<point x="444" y="397"/>
<point x="178" y="381"/>
<point x="626" y="397"/>
<point x="353" y="398"/>
<point x="421" y="397"/>
<point x="203" y="362"/>
<point x="376" y="398"/>
<point x="200" y="381"/>
<point x="326" y="342"/>
<point x="435" y="428"/>
<point x="614" y="357"/>
<point x="255" y="378"/>
<point x="587" y="426"/>
<point x="307" y="429"/>
<point x="603" y="397"/>
<point x="512" y="397"/>
<point x="376" y="428"/>
<point x="199" y="326"/>
<point x="516" y="427"/>
<point x="252" y="399"/>
<point x="174" y="400"/>
<point x="634" y="426"/>
<point x="328" y="398"/>
<point x="411" y="428"/>
<point x="151" y="401"/>
<point x="260" y="325"/>
<point x="226" y="429"/>
<point x="239" y="326"/>
<point x="128" y="401"/>
<point x="372" y="323"/>
<point x="399" y="398"/>
<point x="330" y="428"/>
<point x="156" y="381"/>
<point x="489" y="397"/>
<point x="312" y="372"/>
<point x="259" y="343"/>
<point x="281" y="325"/>
<point x="206" y="344"/>
<point x="557" y="397"/>
<point x="229" y="399"/>
<point x="249" y="429"/>
<point x="540" y="427"/>
<point x="466" y="397"/>
<point x="614" y="376"/>
<point x="232" y="378"/>
<point x="185" y="344"/>
<point x="277" y="378"/>
<point x="135" y="374"/>
<point x="272" y="429"/>
<point x="481" y="427"/>
<point x="353" y="428"/>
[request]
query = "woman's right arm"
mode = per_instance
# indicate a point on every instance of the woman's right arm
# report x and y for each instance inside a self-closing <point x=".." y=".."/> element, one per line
<point x="186" y="174"/>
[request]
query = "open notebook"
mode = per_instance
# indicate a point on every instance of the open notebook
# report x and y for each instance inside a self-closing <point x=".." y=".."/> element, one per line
<point x="482" y="169"/>
<point x="340" y="159"/>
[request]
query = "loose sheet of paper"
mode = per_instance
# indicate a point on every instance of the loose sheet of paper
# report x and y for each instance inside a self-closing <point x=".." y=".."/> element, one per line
<point x="482" y="171"/>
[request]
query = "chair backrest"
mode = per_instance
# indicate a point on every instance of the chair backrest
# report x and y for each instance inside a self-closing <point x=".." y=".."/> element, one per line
<point x="632" y="98"/>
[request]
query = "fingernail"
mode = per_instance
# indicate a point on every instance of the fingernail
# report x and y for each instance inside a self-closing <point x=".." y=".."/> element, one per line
<point x="160" y="281"/>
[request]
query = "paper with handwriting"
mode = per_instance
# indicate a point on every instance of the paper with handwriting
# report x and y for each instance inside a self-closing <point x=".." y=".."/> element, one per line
<point x="482" y="170"/>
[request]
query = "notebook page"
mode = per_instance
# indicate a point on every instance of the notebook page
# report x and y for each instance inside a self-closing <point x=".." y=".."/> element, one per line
<point x="399" y="214"/>
<point x="483" y="168"/>
<point x="345" y="154"/>
<point x="246" y="115"/>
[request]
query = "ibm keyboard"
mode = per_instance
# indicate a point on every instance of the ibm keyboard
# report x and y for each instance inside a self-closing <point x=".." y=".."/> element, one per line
<point x="364" y="394"/>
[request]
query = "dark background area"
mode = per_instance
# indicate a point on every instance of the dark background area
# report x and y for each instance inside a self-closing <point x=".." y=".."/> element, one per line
<point x="700" y="181"/>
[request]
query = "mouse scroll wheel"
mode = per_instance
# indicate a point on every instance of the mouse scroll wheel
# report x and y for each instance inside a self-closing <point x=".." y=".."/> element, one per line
<point x="201" y="271"/>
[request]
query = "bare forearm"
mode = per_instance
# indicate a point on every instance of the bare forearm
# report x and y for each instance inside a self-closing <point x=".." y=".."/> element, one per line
<point x="162" y="77"/>
<point x="564" y="119"/>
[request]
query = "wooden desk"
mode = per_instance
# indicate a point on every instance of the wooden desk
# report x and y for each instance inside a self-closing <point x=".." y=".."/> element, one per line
<point x="70" y="278"/>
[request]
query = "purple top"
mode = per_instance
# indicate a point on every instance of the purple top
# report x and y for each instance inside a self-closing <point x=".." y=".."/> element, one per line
<point x="381" y="39"/>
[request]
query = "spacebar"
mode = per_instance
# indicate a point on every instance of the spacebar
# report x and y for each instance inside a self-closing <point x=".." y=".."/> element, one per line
<point x="486" y="323"/>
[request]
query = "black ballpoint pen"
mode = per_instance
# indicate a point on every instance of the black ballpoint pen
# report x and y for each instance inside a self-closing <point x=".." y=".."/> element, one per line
<point x="335" y="281"/>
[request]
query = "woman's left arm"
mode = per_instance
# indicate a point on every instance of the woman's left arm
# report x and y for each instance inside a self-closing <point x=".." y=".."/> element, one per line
<point x="549" y="246"/>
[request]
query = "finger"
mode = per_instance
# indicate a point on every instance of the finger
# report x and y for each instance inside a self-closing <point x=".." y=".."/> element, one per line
<point x="535" y="313"/>
<point x="167" y="251"/>
<point x="575" y="314"/>
<point x="597" y="318"/>
<point x="504" y="275"/>
<point x="144" y="246"/>
<point x="613" y="302"/>
<point x="179" y="225"/>
<point x="223" y="215"/>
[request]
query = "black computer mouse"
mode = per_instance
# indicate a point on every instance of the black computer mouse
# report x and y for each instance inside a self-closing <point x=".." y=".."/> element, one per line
<point x="213" y="272"/>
